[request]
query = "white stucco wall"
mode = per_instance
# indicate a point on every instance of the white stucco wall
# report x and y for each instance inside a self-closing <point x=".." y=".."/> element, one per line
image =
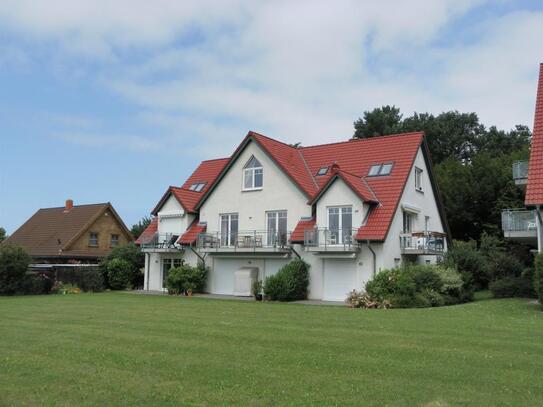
<point x="426" y="203"/>
<point x="175" y="225"/>
<point x="278" y="193"/>
<point x="340" y="194"/>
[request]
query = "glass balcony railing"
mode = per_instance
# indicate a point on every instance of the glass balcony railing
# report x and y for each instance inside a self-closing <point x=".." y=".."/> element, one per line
<point x="519" y="220"/>
<point x="520" y="172"/>
<point x="330" y="239"/>
<point x="243" y="241"/>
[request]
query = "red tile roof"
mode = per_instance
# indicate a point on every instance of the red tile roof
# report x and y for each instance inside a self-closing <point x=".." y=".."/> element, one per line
<point x="149" y="232"/>
<point x="534" y="189"/>
<point x="297" y="235"/>
<point x="358" y="185"/>
<point x="191" y="235"/>
<point x="207" y="172"/>
<point x="355" y="157"/>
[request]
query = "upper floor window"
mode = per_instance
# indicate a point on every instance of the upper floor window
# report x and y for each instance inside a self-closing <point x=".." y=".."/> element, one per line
<point x="197" y="186"/>
<point x="380" y="169"/>
<point x="93" y="239"/>
<point x="253" y="175"/>
<point x="340" y="225"/>
<point x="418" y="179"/>
<point x="322" y="171"/>
<point x="114" y="240"/>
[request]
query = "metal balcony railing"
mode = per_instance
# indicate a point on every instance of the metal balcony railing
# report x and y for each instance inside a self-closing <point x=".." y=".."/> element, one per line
<point x="331" y="239"/>
<point x="244" y="240"/>
<point x="518" y="220"/>
<point x="520" y="171"/>
<point x="422" y="242"/>
<point x="161" y="241"/>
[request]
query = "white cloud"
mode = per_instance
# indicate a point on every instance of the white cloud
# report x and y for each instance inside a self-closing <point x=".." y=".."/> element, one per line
<point x="209" y="71"/>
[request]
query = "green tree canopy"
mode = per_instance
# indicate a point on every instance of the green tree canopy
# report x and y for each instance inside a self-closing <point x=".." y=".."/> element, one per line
<point x="138" y="228"/>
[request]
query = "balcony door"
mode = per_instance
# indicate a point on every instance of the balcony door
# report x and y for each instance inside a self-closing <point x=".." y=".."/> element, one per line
<point x="340" y="225"/>
<point x="229" y="229"/>
<point x="277" y="228"/>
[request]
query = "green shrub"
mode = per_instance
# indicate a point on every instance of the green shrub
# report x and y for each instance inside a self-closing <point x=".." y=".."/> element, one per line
<point x="508" y="287"/>
<point x="119" y="273"/>
<point x="132" y="254"/>
<point x="425" y="277"/>
<point x="91" y="280"/>
<point x="36" y="283"/>
<point x="504" y="265"/>
<point x="538" y="276"/>
<point x="391" y="282"/>
<point x="14" y="263"/>
<point x="186" y="278"/>
<point x="290" y="283"/>
<point x="470" y="263"/>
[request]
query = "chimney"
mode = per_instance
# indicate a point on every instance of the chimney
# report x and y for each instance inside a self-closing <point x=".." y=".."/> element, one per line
<point x="69" y="205"/>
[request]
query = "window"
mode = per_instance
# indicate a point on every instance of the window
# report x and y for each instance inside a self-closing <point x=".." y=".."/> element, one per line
<point x="408" y="222"/>
<point x="93" y="239"/>
<point x="167" y="265"/>
<point x="380" y="169"/>
<point x="277" y="228"/>
<point x="114" y="240"/>
<point x="229" y="229"/>
<point x="340" y="225"/>
<point x="322" y="171"/>
<point x="197" y="187"/>
<point x="418" y="179"/>
<point x="252" y="175"/>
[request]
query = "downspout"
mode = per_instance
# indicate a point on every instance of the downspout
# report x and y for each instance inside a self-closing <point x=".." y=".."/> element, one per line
<point x="374" y="257"/>
<point x="539" y="226"/>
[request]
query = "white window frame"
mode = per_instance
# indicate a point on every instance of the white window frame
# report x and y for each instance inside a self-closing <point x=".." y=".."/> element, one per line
<point x="230" y="239"/>
<point x="252" y="171"/>
<point x="279" y="214"/>
<point x="94" y="242"/>
<point x="340" y="239"/>
<point x="418" y="179"/>
<point x="170" y="263"/>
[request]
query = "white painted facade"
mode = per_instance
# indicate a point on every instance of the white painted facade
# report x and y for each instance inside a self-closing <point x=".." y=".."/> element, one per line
<point x="333" y="273"/>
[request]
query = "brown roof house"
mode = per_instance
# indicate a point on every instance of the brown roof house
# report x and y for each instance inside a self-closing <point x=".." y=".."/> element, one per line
<point x="72" y="233"/>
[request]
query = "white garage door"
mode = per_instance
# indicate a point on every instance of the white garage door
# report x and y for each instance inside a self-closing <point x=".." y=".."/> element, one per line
<point x="223" y="276"/>
<point x="339" y="279"/>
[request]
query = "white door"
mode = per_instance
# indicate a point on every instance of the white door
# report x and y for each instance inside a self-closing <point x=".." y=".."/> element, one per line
<point x="339" y="279"/>
<point x="223" y="275"/>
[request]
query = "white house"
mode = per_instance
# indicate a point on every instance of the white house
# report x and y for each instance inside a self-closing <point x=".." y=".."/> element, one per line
<point x="348" y="209"/>
<point x="526" y="224"/>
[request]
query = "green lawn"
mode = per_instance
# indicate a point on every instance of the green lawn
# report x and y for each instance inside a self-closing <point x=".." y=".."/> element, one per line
<point x="122" y="349"/>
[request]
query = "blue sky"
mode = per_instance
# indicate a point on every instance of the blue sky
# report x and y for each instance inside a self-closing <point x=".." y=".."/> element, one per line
<point x="114" y="101"/>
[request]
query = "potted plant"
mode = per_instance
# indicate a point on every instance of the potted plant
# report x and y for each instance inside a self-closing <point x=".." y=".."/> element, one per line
<point x="188" y="289"/>
<point x="257" y="290"/>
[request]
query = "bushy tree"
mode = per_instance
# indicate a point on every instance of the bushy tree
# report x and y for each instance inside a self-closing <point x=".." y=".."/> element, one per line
<point x="130" y="253"/>
<point x="290" y="283"/>
<point x="2" y="234"/>
<point x="119" y="273"/>
<point x="14" y="263"/>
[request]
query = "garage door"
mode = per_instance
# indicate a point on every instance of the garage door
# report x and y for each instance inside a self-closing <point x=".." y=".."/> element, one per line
<point x="339" y="279"/>
<point x="223" y="275"/>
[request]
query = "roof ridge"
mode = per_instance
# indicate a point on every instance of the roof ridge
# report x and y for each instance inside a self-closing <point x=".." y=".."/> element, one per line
<point x="353" y="140"/>
<point x="75" y="206"/>
<point x="308" y="169"/>
<point x="272" y="139"/>
<point x="215" y="159"/>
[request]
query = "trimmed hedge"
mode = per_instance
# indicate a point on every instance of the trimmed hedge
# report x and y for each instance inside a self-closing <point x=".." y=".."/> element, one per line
<point x="119" y="273"/>
<point x="290" y="283"/>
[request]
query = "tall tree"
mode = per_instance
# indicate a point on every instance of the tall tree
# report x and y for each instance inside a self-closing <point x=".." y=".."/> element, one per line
<point x="2" y="234"/>
<point x="138" y="228"/>
<point x="378" y="122"/>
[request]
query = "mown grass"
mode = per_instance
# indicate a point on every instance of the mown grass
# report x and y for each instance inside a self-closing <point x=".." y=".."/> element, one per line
<point x="125" y="349"/>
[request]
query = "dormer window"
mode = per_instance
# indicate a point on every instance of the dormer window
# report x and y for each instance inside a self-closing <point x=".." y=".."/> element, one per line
<point x="197" y="186"/>
<point x="253" y="175"/>
<point x="380" y="169"/>
<point x="322" y="171"/>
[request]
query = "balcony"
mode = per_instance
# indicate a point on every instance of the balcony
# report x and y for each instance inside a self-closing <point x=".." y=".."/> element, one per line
<point x="244" y="242"/>
<point x="161" y="242"/>
<point x="330" y="240"/>
<point x="425" y="243"/>
<point x="520" y="172"/>
<point x="520" y="225"/>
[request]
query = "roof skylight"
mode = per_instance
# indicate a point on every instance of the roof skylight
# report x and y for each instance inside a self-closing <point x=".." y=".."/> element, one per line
<point x="380" y="169"/>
